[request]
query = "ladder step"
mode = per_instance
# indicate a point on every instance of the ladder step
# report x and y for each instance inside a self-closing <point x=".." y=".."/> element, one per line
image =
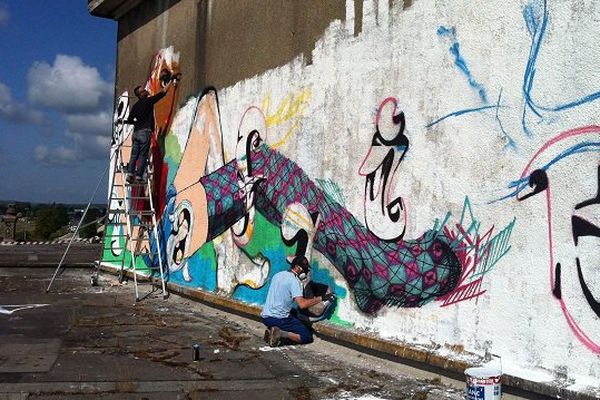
<point x="139" y="239"/>
<point x="132" y="198"/>
<point x="142" y="212"/>
<point x="150" y="226"/>
<point x="132" y="212"/>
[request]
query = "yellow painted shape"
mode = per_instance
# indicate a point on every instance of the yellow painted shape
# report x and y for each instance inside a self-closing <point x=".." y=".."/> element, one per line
<point x="290" y="109"/>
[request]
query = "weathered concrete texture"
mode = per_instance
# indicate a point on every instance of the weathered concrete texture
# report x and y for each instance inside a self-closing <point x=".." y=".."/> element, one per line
<point x="48" y="254"/>
<point x="151" y="26"/>
<point x="223" y="41"/>
<point x="84" y="342"/>
<point x="244" y="38"/>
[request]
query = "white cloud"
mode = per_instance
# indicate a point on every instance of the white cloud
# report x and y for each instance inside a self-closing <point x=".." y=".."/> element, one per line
<point x="99" y="123"/>
<point x="12" y="111"/>
<point x="83" y="99"/>
<point x="88" y="137"/>
<point x="91" y="133"/>
<point x="68" y="85"/>
<point x="96" y="148"/>
<point x="4" y="16"/>
<point x="60" y="155"/>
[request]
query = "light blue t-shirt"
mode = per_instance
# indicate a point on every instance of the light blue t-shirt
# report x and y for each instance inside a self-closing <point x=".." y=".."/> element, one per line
<point x="280" y="298"/>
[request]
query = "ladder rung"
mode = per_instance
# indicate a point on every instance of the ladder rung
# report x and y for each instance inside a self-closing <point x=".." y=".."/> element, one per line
<point x="141" y="212"/>
<point x="139" y="239"/>
<point x="131" y="197"/>
<point x="132" y="212"/>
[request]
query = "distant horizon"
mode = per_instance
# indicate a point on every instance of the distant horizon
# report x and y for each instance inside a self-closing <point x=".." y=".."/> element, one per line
<point x="11" y="201"/>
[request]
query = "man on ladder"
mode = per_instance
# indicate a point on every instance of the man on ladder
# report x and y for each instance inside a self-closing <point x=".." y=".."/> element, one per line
<point x="142" y="118"/>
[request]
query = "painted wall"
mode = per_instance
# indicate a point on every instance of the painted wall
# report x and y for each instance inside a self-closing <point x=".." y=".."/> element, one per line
<point x="441" y="169"/>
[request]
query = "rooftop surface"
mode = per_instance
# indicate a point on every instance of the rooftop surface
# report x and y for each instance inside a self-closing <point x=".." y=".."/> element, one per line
<point x="82" y="342"/>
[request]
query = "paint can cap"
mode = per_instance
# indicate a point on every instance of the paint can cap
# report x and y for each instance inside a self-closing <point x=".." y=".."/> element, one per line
<point x="482" y="372"/>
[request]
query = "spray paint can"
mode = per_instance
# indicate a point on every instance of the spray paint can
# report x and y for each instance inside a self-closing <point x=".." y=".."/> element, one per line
<point x="196" y="348"/>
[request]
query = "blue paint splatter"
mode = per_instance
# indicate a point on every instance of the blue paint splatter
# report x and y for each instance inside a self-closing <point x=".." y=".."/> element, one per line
<point x="521" y="184"/>
<point x="277" y="257"/>
<point x="460" y="62"/>
<point x="511" y="143"/>
<point x="535" y="15"/>
<point x="461" y="112"/>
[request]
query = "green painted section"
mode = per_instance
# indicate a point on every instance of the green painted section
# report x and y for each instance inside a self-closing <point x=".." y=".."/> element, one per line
<point x="172" y="155"/>
<point x="268" y="239"/>
<point x="337" y="320"/>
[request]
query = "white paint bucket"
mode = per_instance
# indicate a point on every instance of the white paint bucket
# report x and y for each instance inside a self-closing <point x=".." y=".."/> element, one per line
<point x="483" y="383"/>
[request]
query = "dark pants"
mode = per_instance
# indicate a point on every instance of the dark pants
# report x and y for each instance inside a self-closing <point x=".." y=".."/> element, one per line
<point x="139" y="151"/>
<point x="290" y="324"/>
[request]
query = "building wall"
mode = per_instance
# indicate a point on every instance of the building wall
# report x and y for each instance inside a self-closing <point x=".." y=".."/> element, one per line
<point x="224" y="41"/>
<point x="153" y="25"/>
<point x="442" y="161"/>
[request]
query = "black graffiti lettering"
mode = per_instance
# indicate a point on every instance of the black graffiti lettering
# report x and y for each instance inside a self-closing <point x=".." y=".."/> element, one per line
<point x="538" y="180"/>
<point x="300" y="239"/>
<point x="556" y="290"/>
<point x="252" y="142"/>
<point x="581" y="227"/>
<point x="378" y="181"/>
<point x="394" y="208"/>
<point x="113" y="244"/>
<point x="594" y="304"/>
<point x="183" y="219"/>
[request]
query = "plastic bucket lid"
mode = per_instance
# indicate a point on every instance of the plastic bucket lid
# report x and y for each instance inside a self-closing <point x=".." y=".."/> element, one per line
<point x="482" y="372"/>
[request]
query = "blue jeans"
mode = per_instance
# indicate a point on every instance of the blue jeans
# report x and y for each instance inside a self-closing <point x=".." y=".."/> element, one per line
<point x="139" y="151"/>
<point x="290" y="324"/>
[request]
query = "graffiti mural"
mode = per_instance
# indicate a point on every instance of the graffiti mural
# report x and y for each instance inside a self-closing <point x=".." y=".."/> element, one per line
<point x="210" y="200"/>
<point x="385" y="216"/>
<point x="477" y="252"/>
<point x="575" y="264"/>
<point x="213" y="201"/>
<point x="446" y="189"/>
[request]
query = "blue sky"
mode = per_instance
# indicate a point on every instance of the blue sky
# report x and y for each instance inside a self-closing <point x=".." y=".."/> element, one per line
<point x="56" y="100"/>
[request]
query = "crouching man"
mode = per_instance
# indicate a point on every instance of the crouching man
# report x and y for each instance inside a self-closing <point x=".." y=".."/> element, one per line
<point x="285" y="289"/>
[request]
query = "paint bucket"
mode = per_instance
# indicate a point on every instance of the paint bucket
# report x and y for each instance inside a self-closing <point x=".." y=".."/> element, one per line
<point x="483" y="383"/>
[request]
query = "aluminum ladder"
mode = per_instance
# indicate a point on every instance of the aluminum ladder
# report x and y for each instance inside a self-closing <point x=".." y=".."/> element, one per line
<point x="132" y="215"/>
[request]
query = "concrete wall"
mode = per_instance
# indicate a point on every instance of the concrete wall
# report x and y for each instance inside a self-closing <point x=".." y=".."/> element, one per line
<point x="443" y="161"/>
<point x="224" y="41"/>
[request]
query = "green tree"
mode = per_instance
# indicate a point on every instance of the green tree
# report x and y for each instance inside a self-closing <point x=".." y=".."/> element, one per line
<point x="48" y="220"/>
<point x="88" y="229"/>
